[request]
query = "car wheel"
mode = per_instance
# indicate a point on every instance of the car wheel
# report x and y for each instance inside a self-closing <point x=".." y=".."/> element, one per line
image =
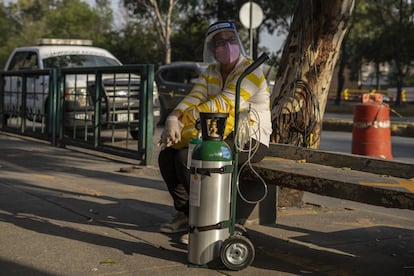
<point x="134" y="134"/>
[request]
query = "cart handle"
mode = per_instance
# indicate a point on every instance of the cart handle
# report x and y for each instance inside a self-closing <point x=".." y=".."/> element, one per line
<point x="263" y="57"/>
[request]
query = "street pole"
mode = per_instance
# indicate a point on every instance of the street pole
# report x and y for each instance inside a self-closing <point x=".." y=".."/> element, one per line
<point x="251" y="29"/>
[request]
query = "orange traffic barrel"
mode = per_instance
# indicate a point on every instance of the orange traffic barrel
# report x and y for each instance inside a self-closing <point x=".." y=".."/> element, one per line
<point x="371" y="132"/>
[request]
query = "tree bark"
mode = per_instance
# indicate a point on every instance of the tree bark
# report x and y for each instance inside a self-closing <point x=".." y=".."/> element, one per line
<point x="302" y="82"/>
<point x="304" y="76"/>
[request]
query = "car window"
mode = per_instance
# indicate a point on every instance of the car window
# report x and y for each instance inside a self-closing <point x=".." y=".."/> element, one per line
<point x="70" y="61"/>
<point x="23" y="60"/>
<point x="180" y="75"/>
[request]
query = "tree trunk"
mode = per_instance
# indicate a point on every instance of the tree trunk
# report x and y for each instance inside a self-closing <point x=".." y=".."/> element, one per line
<point x="304" y="76"/>
<point x="302" y="82"/>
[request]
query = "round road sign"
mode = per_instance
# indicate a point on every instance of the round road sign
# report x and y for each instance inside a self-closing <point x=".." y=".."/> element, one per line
<point x="256" y="14"/>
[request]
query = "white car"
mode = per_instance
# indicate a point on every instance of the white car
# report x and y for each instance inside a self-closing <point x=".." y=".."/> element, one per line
<point x="119" y="94"/>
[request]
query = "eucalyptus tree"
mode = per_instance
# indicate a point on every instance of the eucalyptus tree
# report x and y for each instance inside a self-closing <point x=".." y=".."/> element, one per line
<point x="157" y="14"/>
<point x="172" y="20"/>
<point x="304" y="76"/>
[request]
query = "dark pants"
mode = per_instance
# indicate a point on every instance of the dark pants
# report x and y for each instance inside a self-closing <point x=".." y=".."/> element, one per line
<point x="172" y="164"/>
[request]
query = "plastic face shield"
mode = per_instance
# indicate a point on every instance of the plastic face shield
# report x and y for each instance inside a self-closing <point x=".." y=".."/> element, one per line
<point x="209" y="43"/>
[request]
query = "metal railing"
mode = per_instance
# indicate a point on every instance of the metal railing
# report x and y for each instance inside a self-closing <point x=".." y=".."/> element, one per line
<point x="355" y="94"/>
<point x="104" y="108"/>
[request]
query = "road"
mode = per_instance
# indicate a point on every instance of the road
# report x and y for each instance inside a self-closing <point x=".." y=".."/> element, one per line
<point x="402" y="147"/>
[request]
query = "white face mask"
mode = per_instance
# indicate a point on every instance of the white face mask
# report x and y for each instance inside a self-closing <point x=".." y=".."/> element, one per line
<point x="228" y="53"/>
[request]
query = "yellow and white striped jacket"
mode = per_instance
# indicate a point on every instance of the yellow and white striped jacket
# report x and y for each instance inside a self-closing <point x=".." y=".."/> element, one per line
<point x="210" y="94"/>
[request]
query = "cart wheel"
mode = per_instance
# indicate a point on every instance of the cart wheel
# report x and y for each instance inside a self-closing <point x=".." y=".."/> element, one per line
<point x="237" y="252"/>
<point x="240" y="230"/>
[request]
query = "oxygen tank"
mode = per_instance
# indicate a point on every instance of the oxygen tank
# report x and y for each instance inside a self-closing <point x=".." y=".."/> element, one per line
<point x="210" y="192"/>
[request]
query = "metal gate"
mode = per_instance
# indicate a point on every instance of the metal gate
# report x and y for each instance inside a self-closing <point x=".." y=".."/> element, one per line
<point x="103" y="108"/>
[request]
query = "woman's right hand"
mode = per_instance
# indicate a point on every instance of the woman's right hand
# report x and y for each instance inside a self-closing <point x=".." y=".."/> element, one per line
<point x="172" y="132"/>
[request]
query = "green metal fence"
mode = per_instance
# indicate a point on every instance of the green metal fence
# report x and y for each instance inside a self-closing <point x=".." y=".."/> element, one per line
<point x="104" y="108"/>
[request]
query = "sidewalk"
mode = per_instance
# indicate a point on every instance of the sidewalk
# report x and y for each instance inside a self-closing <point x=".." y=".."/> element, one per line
<point x="72" y="212"/>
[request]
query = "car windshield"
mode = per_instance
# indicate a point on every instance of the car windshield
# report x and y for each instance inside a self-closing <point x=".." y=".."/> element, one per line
<point x="70" y="61"/>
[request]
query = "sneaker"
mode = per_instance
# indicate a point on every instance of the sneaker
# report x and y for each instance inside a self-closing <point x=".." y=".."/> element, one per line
<point x="178" y="224"/>
<point x="184" y="239"/>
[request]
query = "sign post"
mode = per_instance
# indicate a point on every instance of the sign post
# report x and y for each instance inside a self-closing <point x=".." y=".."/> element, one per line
<point x="251" y="16"/>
